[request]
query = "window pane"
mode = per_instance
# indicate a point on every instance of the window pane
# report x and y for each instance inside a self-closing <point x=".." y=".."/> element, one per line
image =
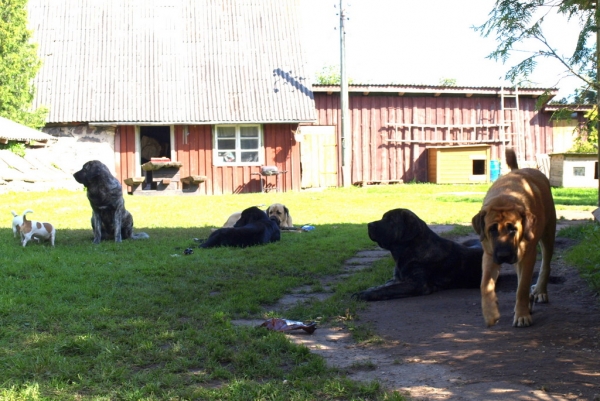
<point x="226" y="132"/>
<point x="237" y="145"/>
<point x="249" y="156"/>
<point x="249" y="143"/>
<point x="249" y="132"/>
<point x="228" y="144"/>
<point x="227" y="157"/>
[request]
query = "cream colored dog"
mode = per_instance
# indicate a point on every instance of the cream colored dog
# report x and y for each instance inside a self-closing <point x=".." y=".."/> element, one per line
<point x="18" y="221"/>
<point x="282" y="213"/>
<point x="518" y="213"/>
<point x="36" y="230"/>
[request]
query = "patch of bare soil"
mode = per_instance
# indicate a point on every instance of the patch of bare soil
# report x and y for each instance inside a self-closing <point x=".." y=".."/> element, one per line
<point x="437" y="347"/>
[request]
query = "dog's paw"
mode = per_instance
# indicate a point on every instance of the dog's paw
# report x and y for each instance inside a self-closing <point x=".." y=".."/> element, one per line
<point x="538" y="296"/>
<point x="491" y="319"/>
<point x="357" y="296"/>
<point x="522" y="321"/>
<point x="489" y="308"/>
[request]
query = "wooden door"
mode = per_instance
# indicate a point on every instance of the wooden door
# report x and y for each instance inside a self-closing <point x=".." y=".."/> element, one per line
<point x="318" y="156"/>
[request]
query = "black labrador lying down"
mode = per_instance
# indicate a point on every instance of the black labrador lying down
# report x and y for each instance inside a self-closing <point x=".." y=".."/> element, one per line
<point x="253" y="228"/>
<point x="425" y="262"/>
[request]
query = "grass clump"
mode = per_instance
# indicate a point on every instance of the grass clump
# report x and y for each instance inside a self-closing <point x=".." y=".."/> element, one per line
<point x="586" y="254"/>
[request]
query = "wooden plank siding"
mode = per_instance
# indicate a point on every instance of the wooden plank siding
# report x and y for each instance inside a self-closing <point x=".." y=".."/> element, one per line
<point x="375" y="158"/>
<point x="194" y="151"/>
<point x="454" y="165"/>
<point x="125" y="153"/>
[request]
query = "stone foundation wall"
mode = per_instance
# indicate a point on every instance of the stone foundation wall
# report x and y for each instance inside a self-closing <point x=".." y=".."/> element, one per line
<point x="52" y="167"/>
<point x="79" y="144"/>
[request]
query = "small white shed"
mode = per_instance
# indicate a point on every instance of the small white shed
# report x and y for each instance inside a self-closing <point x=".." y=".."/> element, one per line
<point x="574" y="170"/>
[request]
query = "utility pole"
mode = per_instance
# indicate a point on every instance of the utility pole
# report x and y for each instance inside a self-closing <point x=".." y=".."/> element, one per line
<point x="346" y="135"/>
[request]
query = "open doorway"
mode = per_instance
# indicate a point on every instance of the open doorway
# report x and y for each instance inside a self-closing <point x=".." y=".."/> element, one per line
<point x="155" y="142"/>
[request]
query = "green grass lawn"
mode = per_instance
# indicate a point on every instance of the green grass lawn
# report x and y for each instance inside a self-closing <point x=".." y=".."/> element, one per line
<point x="140" y="320"/>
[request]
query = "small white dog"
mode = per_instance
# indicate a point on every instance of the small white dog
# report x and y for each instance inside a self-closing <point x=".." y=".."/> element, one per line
<point x="18" y="221"/>
<point x="36" y="230"/>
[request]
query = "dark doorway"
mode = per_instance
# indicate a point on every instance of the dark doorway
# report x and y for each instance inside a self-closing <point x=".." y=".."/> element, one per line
<point x="155" y="142"/>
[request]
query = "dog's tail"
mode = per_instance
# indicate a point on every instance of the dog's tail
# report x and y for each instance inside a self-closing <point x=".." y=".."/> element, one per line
<point x="140" y="236"/>
<point x="22" y="214"/>
<point x="511" y="159"/>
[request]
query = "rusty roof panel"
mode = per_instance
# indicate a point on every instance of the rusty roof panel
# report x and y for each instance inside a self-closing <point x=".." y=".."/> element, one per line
<point x="171" y="61"/>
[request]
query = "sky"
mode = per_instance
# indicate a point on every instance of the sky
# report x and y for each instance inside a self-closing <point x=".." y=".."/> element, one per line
<point x="422" y="42"/>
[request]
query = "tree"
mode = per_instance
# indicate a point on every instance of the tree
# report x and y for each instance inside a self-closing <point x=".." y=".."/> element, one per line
<point x="447" y="82"/>
<point x="518" y="21"/>
<point x="330" y="75"/>
<point x="19" y="64"/>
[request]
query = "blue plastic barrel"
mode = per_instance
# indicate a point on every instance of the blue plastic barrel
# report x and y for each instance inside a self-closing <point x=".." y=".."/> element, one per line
<point x="494" y="170"/>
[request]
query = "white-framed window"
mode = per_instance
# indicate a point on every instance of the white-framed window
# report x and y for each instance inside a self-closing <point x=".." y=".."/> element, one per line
<point x="238" y="145"/>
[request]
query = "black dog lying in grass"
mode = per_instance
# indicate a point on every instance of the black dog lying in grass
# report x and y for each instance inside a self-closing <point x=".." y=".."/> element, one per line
<point x="425" y="262"/>
<point x="253" y="228"/>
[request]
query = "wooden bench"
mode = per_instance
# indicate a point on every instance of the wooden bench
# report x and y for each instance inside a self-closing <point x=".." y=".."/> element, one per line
<point x="134" y="182"/>
<point x="192" y="182"/>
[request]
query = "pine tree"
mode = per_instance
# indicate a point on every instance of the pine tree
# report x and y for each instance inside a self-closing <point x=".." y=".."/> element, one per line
<point x="19" y="64"/>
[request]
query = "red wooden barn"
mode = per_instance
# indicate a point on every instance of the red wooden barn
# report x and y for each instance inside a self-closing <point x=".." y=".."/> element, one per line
<point x="212" y="89"/>
<point x="198" y="96"/>
<point x="393" y="126"/>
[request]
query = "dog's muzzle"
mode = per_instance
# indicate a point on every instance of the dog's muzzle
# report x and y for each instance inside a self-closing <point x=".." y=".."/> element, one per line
<point x="504" y="253"/>
<point x="275" y="219"/>
<point x="371" y="230"/>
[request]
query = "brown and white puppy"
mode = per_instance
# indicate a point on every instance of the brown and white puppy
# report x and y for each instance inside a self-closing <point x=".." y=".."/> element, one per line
<point x="18" y="221"/>
<point x="36" y="230"/>
<point x="282" y="213"/>
<point x="518" y="213"/>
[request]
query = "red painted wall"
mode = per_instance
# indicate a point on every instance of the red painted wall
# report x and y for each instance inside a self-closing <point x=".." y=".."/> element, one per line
<point x="375" y="159"/>
<point x="195" y="152"/>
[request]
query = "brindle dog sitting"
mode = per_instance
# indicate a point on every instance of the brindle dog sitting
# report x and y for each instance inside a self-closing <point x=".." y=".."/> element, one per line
<point x="425" y="262"/>
<point x="110" y="220"/>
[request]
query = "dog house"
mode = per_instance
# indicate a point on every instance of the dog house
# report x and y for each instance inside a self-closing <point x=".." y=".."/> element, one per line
<point x="466" y="164"/>
<point x="574" y="170"/>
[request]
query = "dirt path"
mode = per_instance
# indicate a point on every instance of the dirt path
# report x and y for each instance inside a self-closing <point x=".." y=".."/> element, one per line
<point x="436" y="347"/>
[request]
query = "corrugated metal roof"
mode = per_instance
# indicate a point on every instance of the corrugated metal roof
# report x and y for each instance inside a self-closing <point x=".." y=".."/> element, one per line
<point x="171" y="61"/>
<point x="13" y="131"/>
<point x="434" y="89"/>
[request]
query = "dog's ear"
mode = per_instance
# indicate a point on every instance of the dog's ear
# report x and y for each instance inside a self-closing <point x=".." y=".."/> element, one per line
<point x="285" y="210"/>
<point x="528" y="220"/>
<point x="408" y="225"/>
<point x="478" y="223"/>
